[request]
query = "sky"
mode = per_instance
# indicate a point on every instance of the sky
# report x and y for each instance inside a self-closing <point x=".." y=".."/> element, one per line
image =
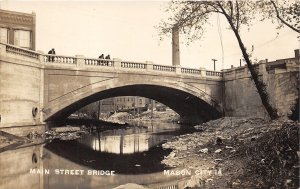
<point x="126" y="30"/>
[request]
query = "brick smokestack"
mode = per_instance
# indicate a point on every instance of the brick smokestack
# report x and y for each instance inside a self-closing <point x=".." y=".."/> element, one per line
<point x="175" y="47"/>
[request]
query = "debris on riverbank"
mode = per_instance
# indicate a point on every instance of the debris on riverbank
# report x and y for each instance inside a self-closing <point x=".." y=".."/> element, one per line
<point x="65" y="129"/>
<point x="245" y="153"/>
<point x="164" y="116"/>
<point x="65" y="133"/>
<point x="94" y="122"/>
<point x="119" y="117"/>
<point x="168" y="116"/>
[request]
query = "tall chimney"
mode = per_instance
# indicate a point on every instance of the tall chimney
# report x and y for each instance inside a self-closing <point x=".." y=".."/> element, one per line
<point x="175" y="47"/>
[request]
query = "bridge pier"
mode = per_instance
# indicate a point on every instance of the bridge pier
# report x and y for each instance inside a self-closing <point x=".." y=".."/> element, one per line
<point x="21" y="90"/>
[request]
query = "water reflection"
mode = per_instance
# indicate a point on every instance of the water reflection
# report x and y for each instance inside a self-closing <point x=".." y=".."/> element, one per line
<point x="123" y="141"/>
<point x="127" y="151"/>
<point x="127" y="144"/>
<point x="15" y="166"/>
<point x="134" y="154"/>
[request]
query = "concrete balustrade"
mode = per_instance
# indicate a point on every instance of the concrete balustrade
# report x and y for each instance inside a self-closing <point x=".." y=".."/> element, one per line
<point x="213" y="73"/>
<point x="164" y="68"/>
<point x="59" y="59"/>
<point x="20" y="51"/>
<point x="136" y="65"/>
<point x="117" y="64"/>
<point x="91" y="62"/>
<point x="243" y="72"/>
<point x="190" y="71"/>
<point x="99" y="62"/>
<point x="233" y="73"/>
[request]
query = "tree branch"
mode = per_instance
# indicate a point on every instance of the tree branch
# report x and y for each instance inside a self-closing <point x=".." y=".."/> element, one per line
<point x="188" y="17"/>
<point x="191" y="16"/>
<point x="237" y="15"/>
<point x="212" y="4"/>
<point x="231" y="9"/>
<point x="283" y="21"/>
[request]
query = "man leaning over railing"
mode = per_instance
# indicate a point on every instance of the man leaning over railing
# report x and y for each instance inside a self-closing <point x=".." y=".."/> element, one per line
<point x="51" y="58"/>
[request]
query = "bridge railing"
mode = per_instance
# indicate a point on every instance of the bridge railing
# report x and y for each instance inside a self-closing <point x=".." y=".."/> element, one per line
<point x="115" y="64"/>
<point x="164" y="68"/>
<point x="99" y="62"/>
<point x="135" y="65"/>
<point x="59" y="59"/>
<point x="214" y="73"/>
<point x="243" y="71"/>
<point x="21" y="51"/>
<point x="190" y="71"/>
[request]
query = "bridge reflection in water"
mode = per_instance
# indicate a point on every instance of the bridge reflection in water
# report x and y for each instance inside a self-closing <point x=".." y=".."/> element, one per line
<point x="128" y="141"/>
<point x="121" y="144"/>
<point x="134" y="154"/>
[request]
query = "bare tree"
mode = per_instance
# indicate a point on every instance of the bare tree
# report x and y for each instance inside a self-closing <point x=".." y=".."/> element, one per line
<point x="192" y="16"/>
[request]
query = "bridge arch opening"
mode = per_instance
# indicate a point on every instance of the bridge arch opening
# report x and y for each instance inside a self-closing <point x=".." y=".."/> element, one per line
<point x="191" y="107"/>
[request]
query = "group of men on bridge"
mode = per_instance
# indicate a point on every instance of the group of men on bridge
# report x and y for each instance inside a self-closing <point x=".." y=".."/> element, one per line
<point x="52" y="52"/>
<point x="102" y="56"/>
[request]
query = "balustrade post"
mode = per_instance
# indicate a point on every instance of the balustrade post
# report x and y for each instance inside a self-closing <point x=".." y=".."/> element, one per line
<point x="41" y="56"/>
<point x="262" y="68"/>
<point x="203" y="72"/>
<point x="234" y="73"/>
<point x="178" y="69"/>
<point x="149" y="65"/>
<point x="2" y="49"/>
<point x="79" y="60"/>
<point x="117" y="63"/>
<point x="245" y="71"/>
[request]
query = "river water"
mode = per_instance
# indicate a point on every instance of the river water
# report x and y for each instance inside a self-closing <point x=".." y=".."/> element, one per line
<point x="101" y="159"/>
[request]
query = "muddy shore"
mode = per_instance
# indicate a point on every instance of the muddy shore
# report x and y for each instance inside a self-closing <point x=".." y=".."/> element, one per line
<point x="238" y="153"/>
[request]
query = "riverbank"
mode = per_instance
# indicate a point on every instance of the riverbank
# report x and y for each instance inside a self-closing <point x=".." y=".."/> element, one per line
<point x="238" y="153"/>
<point x="167" y="116"/>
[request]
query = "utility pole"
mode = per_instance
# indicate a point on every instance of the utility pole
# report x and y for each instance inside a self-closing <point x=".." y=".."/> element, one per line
<point x="134" y="111"/>
<point x="152" y="107"/>
<point x="99" y="108"/>
<point x="214" y="63"/>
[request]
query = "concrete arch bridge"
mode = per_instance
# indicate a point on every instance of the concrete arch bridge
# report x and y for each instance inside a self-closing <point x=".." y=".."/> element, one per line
<point x="36" y="88"/>
<point x="39" y="87"/>
<point x="71" y="86"/>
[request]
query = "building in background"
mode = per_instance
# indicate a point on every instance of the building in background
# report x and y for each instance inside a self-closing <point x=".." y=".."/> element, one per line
<point x="107" y="105"/>
<point x="18" y="29"/>
<point x="128" y="103"/>
<point x="131" y="104"/>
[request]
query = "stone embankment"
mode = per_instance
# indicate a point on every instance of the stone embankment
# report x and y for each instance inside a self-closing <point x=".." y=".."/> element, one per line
<point x="238" y="153"/>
